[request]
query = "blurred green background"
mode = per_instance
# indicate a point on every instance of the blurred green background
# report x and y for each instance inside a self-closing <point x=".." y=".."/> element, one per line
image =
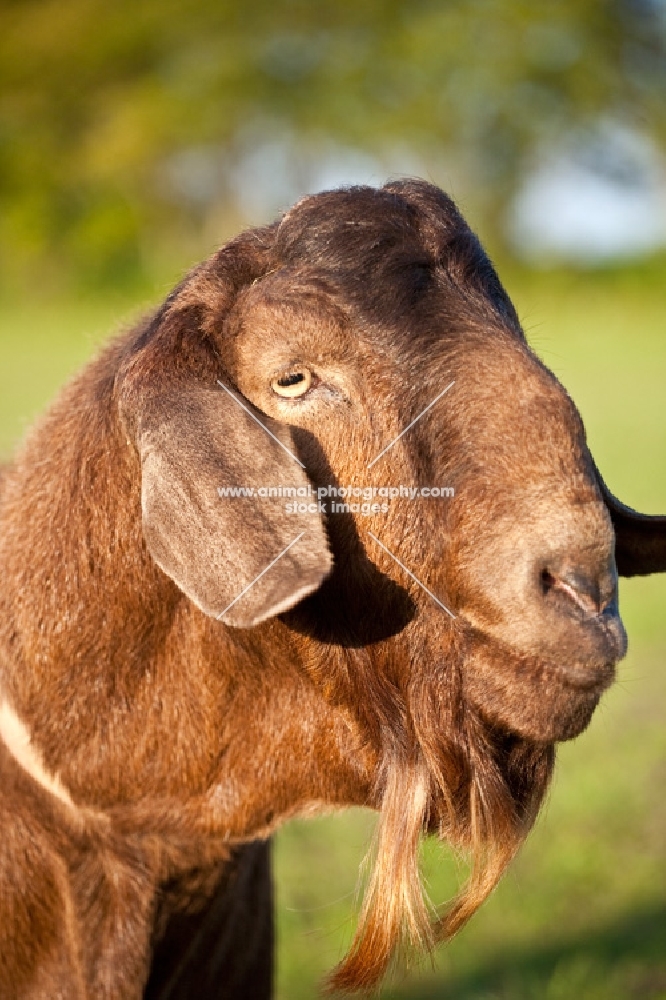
<point x="137" y="136"/>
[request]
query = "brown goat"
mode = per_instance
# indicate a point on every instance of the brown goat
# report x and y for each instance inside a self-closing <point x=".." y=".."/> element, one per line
<point x="181" y="671"/>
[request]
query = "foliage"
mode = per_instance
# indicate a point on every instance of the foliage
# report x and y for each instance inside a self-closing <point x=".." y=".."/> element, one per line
<point x="98" y="100"/>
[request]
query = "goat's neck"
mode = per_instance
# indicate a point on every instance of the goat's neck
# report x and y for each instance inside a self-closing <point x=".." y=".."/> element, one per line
<point x="142" y="706"/>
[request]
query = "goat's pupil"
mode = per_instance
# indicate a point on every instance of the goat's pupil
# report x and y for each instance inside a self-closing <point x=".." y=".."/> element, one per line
<point x="293" y="379"/>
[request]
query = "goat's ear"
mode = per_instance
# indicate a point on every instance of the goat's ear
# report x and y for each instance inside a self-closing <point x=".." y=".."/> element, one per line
<point x="241" y="559"/>
<point x="640" y="539"/>
<point x="244" y="558"/>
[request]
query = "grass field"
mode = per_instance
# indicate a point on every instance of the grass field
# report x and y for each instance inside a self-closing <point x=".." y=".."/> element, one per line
<point x="582" y="914"/>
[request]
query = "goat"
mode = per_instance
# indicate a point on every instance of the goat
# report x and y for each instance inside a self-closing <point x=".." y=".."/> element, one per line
<point x="182" y="670"/>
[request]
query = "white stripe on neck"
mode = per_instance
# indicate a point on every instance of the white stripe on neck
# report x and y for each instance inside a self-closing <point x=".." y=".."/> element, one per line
<point x="16" y="737"/>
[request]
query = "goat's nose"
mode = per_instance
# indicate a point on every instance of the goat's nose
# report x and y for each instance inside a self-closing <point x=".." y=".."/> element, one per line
<point x="592" y="589"/>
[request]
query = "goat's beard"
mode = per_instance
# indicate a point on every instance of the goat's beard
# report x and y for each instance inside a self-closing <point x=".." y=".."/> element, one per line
<point x="451" y="773"/>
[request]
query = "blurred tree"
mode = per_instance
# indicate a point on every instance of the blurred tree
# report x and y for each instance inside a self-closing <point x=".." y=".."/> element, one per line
<point x="101" y="102"/>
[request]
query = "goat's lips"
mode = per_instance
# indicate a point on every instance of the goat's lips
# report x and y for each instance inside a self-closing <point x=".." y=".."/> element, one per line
<point x="588" y="649"/>
<point x="581" y="676"/>
<point x="546" y="699"/>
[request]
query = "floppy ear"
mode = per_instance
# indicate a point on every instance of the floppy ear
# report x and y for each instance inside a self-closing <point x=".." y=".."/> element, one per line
<point x="640" y="539"/>
<point x="242" y="558"/>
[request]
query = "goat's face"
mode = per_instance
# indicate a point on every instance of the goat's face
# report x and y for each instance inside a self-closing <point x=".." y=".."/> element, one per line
<point x="366" y="341"/>
<point x="371" y="320"/>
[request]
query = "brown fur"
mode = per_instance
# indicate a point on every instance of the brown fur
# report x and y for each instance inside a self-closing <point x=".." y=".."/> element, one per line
<point x="178" y="737"/>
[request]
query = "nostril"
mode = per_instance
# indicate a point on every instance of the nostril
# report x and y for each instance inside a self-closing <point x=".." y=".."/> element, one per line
<point x="547" y="581"/>
<point x="592" y="594"/>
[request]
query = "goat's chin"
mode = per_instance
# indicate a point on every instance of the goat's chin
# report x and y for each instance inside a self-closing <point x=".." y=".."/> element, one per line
<point x="540" y="699"/>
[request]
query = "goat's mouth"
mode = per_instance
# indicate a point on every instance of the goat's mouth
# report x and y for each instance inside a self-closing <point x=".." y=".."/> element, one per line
<point x="546" y="697"/>
<point x="580" y="678"/>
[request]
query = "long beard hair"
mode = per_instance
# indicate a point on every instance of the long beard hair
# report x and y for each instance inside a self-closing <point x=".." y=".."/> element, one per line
<point x="447" y="771"/>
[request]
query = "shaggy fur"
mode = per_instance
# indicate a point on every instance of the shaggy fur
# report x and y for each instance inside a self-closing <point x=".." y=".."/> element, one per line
<point x="172" y="724"/>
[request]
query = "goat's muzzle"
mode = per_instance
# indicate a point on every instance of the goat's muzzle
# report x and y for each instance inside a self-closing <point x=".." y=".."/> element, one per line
<point x="583" y="596"/>
<point x="539" y="665"/>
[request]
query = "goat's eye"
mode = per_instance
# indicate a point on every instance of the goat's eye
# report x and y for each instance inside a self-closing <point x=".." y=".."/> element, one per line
<point x="292" y="383"/>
